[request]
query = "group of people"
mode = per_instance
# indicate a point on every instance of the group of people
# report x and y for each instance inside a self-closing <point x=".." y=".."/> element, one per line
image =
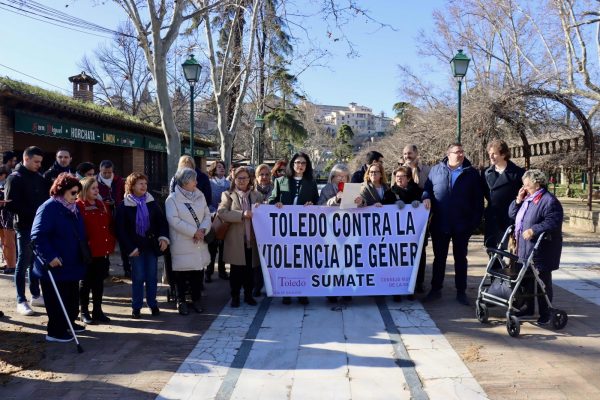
<point x="454" y="191"/>
<point x="74" y="231"/>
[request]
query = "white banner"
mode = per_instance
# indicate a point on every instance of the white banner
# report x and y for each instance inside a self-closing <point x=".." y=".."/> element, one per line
<point x="325" y="251"/>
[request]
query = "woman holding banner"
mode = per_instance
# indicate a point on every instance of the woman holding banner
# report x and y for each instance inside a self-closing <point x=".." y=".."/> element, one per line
<point x="241" y="251"/>
<point x="375" y="186"/>
<point x="331" y="195"/>
<point x="297" y="187"/>
<point x="405" y="191"/>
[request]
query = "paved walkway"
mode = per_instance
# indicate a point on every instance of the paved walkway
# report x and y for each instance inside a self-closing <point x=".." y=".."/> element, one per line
<point x="370" y="348"/>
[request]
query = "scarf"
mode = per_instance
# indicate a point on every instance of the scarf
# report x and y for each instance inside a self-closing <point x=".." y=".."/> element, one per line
<point x="142" y="217"/>
<point x="264" y="189"/>
<point x="69" y="206"/>
<point x="222" y="182"/>
<point x="523" y="210"/>
<point x="57" y="167"/>
<point x="246" y="206"/>
<point x="107" y="182"/>
<point x="191" y="196"/>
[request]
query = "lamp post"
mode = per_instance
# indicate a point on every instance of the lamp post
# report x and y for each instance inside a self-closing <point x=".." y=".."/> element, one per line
<point x="259" y="123"/>
<point x="191" y="70"/>
<point x="460" y="64"/>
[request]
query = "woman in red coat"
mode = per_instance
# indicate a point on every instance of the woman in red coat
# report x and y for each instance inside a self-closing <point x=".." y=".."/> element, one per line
<point x="97" y="219"/>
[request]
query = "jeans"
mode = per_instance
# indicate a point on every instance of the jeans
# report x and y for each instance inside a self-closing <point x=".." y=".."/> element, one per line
<point x="143" y="271"/>
<point x="24" y="265"/>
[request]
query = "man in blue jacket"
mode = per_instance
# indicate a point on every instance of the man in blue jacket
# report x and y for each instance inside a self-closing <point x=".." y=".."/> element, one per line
<point x="453" y="192"/>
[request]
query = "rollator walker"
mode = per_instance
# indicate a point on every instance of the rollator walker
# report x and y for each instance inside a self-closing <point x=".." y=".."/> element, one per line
<point x="502" y="286"/>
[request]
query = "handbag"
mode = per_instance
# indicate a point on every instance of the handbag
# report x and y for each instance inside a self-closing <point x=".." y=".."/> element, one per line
<point x="220" y="227"/>
<point x="209" y="237"/>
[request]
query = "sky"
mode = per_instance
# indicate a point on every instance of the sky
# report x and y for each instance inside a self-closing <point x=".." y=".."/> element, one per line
<point x="45" y="55"/>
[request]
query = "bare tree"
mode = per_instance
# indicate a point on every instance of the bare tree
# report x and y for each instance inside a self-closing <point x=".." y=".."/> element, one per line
<point x="157" y="26"/>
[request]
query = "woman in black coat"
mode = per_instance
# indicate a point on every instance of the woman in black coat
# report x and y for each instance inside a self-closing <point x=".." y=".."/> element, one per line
<point x="501" y="183"/>
<point x="143" y="234"/>
<point x="297" y="187"/>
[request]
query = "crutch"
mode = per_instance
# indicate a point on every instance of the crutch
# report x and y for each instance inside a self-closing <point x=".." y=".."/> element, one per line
<point x="62" y="305"/>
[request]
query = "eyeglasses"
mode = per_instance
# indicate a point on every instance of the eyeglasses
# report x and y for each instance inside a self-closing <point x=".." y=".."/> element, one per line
<point x="300" y="162"/>
<point x="458" y="152"/>
<point x="74" y="192"/>
<point x="242" y="178"/>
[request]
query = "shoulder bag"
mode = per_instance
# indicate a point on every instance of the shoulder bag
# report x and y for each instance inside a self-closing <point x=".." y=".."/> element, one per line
<point x="209" y="237"/>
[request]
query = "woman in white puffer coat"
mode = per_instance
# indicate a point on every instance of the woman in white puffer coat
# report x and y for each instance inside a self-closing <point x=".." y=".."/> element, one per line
<point x="189" y="221"/>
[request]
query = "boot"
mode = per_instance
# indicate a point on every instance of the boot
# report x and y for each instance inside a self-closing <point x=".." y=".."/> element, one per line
<point x="99" y="316"/>
<point x="86" y="318"/>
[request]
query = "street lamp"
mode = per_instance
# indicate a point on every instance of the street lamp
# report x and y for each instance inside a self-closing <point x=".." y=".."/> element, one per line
<point x="191" y="70"/>
<point x="460" y="64"/>
<point x="259" y="123"/>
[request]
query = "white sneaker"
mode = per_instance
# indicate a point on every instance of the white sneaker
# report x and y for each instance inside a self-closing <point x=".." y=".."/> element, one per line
<point x="24" y="309"/>
<point x="38" y="301"/>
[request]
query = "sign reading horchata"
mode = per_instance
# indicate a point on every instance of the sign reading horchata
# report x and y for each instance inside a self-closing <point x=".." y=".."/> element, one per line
<point x="325" y="251"/>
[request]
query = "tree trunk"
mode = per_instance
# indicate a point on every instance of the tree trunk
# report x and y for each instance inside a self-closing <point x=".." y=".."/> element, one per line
<point x="171" y="133"/>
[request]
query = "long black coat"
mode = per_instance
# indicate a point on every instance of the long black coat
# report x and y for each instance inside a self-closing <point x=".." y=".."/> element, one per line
<point x="499" y="191"/>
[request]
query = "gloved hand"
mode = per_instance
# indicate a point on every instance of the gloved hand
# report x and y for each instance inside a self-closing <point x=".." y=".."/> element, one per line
<point x="400" y="204"/>
<point x="416" y="204"/>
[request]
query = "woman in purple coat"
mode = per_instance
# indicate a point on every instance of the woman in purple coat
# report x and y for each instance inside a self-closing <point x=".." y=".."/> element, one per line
<point x="536" y="211"/>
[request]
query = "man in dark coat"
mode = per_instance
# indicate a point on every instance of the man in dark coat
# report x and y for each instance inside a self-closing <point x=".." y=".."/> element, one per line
<point x="25" y="191"/>
<point x="359" y="175"/>
<point x="453" y="192"/>
<point x="501" y="184"/>
<point x="62" y="164"/>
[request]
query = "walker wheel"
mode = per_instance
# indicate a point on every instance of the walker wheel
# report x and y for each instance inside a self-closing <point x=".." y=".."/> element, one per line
<point x="513" y="326"/>
<point x="482" y="313"/>
<point x="559" y="319"/>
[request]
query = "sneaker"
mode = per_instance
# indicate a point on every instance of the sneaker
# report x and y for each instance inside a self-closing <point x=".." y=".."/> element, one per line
<point x="155" y="311"/>
<point x="543" y="320"/>
<point x="38" y="301"/>
<point x="24" y="309"/>
<point x="64" y="338"/>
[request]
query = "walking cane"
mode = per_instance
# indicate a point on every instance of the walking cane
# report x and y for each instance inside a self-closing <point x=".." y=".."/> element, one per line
<point x="79" y="348"/>
<point x="62" y="305"/>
